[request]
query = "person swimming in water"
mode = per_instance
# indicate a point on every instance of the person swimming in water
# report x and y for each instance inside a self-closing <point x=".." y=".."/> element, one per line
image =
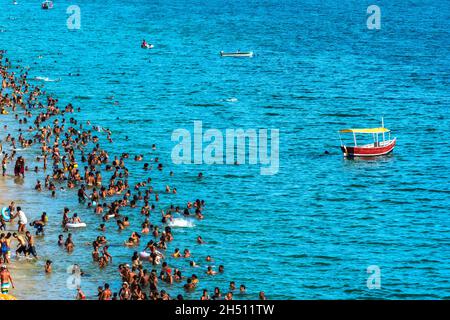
<point x="48" y="266"/>
<point x="145" y="44"/>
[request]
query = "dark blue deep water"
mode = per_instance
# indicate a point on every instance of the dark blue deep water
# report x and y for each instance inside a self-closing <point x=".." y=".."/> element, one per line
<point x="309" y="232"/>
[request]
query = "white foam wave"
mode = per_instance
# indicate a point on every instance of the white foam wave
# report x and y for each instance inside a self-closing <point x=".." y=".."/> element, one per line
<point x="181" y="223"/>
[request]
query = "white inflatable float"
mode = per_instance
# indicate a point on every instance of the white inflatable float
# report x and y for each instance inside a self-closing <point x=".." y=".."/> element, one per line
<point x="146" y="255"/>
<point x="76" y="225"/>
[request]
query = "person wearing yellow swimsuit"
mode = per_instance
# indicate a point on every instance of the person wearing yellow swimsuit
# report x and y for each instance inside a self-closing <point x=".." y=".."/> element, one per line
<point x="177" y="253"/>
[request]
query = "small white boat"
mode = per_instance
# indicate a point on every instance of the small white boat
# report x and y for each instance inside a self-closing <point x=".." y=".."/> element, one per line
<point x="237" y="54"/>
<point x="76" y="225"/>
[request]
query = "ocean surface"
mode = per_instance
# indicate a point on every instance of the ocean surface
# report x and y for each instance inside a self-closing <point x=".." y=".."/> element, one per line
<point x="308" y="232"/>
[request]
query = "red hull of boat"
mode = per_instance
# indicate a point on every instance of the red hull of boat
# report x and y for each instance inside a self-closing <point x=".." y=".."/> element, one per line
<point x="368" y="151"/>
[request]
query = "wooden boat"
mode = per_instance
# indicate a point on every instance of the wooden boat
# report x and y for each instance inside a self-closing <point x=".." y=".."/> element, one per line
<point x="376" y="148"/>
<point x="237" y="54"/>
<point x="47" y="5"/>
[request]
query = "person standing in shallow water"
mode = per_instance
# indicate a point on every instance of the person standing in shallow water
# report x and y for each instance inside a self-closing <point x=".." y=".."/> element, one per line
<point x="22" y="220"/>
<point x="82" y="194"/>
<point x="19" y="167"/>
<point x="48" y="266"/>
<point x="22" y="167"/>
<point x="6" y="247"/>
<point x="31" y="248"/>
<point x="6" y="279"/>
<point x="80" y="294"/>
<point x="16" y="168"/>
<point x="69" y="243"/>
<point x="4" y="163"/>
<point x="21" y="244"/>
<point x="106" y="293"/>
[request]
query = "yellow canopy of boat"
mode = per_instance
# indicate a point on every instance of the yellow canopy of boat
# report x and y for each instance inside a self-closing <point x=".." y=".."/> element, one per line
<point x="368" y="130"/>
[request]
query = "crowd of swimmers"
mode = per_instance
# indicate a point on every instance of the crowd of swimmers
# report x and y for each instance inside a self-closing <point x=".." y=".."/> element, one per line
<point x="73" y="158"/>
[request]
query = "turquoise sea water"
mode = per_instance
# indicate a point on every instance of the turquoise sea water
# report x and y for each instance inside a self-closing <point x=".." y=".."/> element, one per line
<point x="309" y="232"/>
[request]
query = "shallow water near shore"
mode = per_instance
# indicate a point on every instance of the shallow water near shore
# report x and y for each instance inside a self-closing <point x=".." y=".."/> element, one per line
<point x="309" y="232"/>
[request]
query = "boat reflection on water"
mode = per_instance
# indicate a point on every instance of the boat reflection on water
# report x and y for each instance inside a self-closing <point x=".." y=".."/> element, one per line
<point x="384" y="158"/>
